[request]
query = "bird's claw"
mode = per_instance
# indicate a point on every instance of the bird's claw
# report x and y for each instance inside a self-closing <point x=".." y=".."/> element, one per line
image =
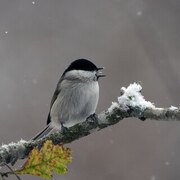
<point x="64" y="129"/>
<point x="92" y="118"/>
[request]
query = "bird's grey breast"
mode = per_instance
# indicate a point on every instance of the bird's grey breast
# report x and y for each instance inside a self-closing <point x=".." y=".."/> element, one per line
<point x="75" y="102"/>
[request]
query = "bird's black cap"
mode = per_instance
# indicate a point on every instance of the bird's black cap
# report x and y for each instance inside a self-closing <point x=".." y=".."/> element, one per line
<point x="82" y="64"/>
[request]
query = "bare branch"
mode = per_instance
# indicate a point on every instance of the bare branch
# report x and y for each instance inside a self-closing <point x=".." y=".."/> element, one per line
<point x="130" y="104"/>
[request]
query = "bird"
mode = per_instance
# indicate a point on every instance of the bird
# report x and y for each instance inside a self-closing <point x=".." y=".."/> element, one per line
<point x="75" y="98"/>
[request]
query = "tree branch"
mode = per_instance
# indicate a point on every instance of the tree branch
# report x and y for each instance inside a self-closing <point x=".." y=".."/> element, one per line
<point x="130" y="104"/>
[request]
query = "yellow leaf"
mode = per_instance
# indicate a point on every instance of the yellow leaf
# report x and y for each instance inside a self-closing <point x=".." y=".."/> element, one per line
<point x="51" y="158"/>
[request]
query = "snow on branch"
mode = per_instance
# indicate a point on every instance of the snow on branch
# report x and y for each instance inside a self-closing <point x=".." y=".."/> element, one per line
<point x="130" y="103"/>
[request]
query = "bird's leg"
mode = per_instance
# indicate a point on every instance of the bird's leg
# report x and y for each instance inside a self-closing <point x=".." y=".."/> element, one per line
<point x="64" y="129"/>
<point x="92" y="118"/>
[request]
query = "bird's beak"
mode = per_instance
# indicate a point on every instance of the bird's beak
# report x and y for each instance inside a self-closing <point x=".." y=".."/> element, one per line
<point x="101" y="68"/>
<point x="99" y="73"/>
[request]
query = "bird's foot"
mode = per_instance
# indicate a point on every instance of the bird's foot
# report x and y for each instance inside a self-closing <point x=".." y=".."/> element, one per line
<point x="64" y="129"/>
<point x="142" y="118"/>
<point x="92" y="118"/>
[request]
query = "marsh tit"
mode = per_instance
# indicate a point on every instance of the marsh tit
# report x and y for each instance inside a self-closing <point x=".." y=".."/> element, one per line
<point x="75" y="98"/>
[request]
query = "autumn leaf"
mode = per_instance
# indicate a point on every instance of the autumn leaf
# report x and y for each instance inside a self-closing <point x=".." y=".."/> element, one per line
<point x="51" y="158"/>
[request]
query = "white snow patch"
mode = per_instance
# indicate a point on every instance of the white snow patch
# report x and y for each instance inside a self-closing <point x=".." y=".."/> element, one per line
<point x="173" y="108"/>
<point x="5" y="146"/>
<point x="19" y="143"/>
<point x="113" y="106"/>
<point x="22" y="141"/>
<point x="6" y="32"/>
<point x="133" y="98"/>
<point x="33" y="2"/>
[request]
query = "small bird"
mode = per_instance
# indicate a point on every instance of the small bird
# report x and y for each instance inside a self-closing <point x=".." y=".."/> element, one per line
<point x="75" y="98"/>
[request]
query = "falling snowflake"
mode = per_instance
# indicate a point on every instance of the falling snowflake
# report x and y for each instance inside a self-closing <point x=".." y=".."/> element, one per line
<point x="9" y="106"/>
<point x="34" y="81"/>
<point x="111" y="141"/>
<point x="139" y="13"/>
<point x="153" y="177"/>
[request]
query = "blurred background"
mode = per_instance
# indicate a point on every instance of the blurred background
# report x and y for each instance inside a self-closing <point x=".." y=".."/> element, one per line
<point x="135" y="40"/>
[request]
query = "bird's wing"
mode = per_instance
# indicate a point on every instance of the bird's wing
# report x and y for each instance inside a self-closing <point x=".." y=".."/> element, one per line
<point x="56" y="93"/>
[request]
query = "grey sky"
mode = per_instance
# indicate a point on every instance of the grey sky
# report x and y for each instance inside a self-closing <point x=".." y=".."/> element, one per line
<point x="136" y="40"/>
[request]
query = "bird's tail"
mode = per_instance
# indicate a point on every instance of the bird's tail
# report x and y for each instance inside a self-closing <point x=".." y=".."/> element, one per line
<point x="44" y="132"/>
